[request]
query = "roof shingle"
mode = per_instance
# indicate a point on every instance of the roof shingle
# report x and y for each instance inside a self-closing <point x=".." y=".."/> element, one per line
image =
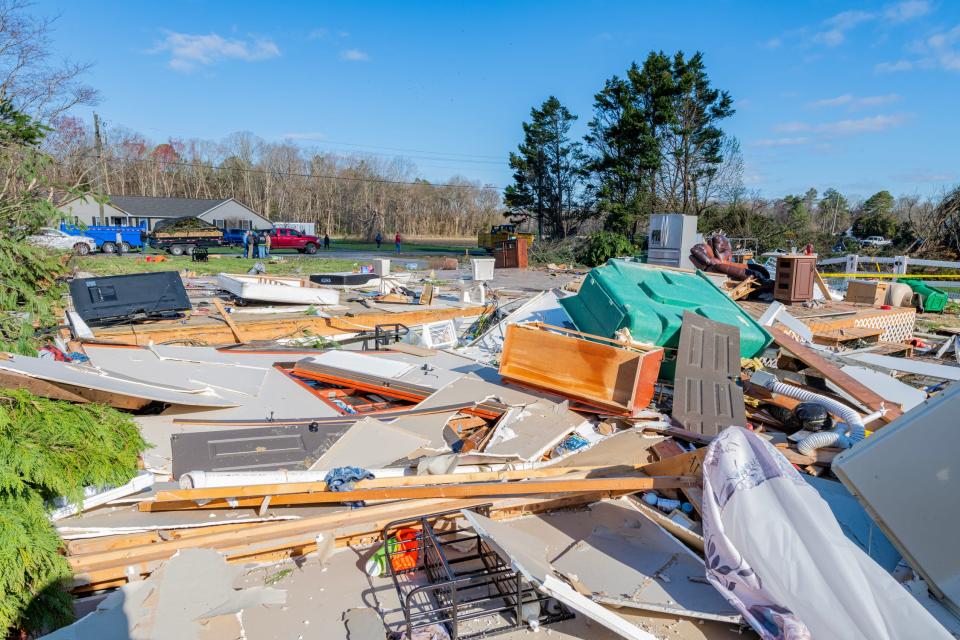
<point x="146" y="206"/>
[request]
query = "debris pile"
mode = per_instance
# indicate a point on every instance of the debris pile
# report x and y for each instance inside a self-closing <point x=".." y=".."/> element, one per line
<point x="651" y="452"/>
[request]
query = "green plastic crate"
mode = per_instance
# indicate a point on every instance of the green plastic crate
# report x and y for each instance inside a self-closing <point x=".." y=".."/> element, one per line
<point x="650" y="301"/>
<point x="932" y="300"/>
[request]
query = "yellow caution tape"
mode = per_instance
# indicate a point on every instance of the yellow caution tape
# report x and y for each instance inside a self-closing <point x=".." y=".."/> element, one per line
<point x="904" y="276"/>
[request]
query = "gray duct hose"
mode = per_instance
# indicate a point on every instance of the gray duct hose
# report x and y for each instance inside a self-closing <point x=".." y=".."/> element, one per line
<point x="843" y="436"/>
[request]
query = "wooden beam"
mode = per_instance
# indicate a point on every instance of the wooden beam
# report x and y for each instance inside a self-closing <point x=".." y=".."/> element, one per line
<point x="822" y="285"/>
<point x="38" y="387"/>
<point x="209" y="332"/>
<point x="832" y="372"/>
<point x="276" y="489"/>
<point x="230" y="323"/>
<point x="274" y="540"/>
<point x="483" y="489"/>
<point x="675" y="460"/>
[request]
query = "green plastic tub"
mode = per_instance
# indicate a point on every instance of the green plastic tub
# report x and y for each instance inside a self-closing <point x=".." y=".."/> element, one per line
<point x="650" y="301"/>
<point x="932" y="300"/>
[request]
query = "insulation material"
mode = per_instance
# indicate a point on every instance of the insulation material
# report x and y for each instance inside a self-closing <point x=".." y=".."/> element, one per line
<point x="775" y="551"/>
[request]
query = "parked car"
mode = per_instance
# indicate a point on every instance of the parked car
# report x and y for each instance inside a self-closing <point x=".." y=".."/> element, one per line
<point x="233" y="237"/>
<point x="284" y="238"/>
<point x="56" y="239"/>
<point x="875" y="241"/>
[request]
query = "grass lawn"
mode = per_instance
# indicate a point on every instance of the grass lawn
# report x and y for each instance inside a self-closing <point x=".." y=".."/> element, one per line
<point x="108" y="265"/>
<point x="407" y="247"/>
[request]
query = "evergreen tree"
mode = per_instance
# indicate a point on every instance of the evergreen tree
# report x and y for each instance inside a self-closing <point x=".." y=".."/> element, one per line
<point x="833" y="210"/>
<point x="624" y="155"/>
<point x="695" y="141"/>
<point x="548" y="170"/>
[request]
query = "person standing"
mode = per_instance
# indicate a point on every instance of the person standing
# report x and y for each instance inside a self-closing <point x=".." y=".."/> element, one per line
<point x="326" y="241"/>
<point x="379" y="240"/>
<point x="119" y="242"/>
<point x="397" y="240"/>
<point x="255" y="242"/>
<point x="262" y="245"/>
<point x="246" y="244"/>
<point x="267" y="242"/>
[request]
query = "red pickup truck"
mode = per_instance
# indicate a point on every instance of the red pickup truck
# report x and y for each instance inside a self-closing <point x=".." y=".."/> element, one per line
<point x="282" y="238"/>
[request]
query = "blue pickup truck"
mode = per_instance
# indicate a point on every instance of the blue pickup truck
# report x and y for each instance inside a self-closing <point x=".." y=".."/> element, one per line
<point x="233" y="237"/>
<point x="106" y="236"/>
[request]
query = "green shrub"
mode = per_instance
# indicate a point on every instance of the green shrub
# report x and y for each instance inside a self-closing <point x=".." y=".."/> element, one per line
<point x="603" y="245"/>
<point x="50" y="448"/>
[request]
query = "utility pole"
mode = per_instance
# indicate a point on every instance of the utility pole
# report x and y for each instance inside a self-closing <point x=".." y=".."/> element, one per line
<point x="99" y="144"/>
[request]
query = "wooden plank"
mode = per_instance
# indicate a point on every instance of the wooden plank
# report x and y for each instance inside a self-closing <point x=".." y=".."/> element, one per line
<point x="210" y="332"/>
<point x="818" y="279"/>
<point x="483" y="489"/>
<point x="38" y="387"/>
<point x="832" y="372"/>
<point x="230" y="323"/>
<point x="259" y="542"/>
<point x="244" y="491"/>
<point x="362" y="534"/>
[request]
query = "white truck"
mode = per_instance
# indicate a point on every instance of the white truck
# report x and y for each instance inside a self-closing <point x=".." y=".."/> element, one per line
<point x="875" y="241"/>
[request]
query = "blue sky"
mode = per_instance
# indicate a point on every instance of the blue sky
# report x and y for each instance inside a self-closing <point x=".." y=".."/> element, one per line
<point x="856" y="95"/>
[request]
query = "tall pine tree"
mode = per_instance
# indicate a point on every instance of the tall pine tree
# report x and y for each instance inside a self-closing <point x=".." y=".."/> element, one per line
<point x="548" y="171"/>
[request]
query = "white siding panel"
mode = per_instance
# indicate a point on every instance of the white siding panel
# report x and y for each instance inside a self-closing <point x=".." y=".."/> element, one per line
<point x="232" y="213"/>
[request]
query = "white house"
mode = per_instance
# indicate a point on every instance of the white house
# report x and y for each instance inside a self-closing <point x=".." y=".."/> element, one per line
<point x="134" y="210"/>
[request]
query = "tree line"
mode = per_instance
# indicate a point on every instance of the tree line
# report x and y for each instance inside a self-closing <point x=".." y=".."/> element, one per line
<point x="347" y="195"/>
<point x="655" y="143"/>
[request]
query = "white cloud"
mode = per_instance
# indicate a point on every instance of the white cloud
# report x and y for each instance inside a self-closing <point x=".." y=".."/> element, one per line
<point x="319" y="33"/>
<point x="942" y="46"/>
<point x="354" y="55"/>
<point x="853" y="102"/>
<point x="869" y="124"/>
<point x="893" y="67"/>
<point x="838" y="25"/>
<point x="907" y="10"/>
<point x="782" y="142"/>
<point x="773" y="43"/>
<point x="834" y="29"/>
<point x="191" y="51"/>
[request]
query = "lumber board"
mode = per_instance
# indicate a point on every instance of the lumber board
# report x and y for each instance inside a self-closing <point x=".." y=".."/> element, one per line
<point x="230" y="323"/>
<point x="481" y="489"/>
<point x="327" y="421"/>
<point x="281" y="488"/>
<point x="832" y="372"/>
<point x="210" y="333"/>
<point x="299" y="536"/>
<point x="38" y="387"/>
<point x="93" y="577"/>
<point x="822" y="285"/>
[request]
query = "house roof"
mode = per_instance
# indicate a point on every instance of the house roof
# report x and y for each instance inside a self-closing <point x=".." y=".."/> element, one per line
<point x="146" y="206"/>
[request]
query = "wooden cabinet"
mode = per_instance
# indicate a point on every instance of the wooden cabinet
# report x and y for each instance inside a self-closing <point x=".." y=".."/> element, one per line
<point x="794" y="279"/>
<point x="511" y="254"/>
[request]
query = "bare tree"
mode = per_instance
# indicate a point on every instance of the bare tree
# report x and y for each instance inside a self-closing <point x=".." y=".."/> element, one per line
<point x="29" y="77"/>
